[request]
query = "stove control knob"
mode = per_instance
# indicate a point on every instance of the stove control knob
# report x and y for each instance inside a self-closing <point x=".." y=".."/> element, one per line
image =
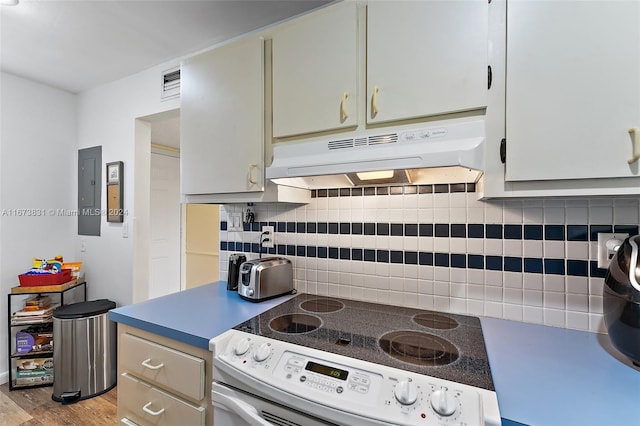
<point x="406" y="392"/>
<point x="262" y="352"/>
<point x="443" y="402"/>
<point x="241" y="347"/>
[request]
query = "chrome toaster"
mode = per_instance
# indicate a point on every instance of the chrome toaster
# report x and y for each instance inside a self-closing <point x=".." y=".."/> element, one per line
<point x="262" y="279"/>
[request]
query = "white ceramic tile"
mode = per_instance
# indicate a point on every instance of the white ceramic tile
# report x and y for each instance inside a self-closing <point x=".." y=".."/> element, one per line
<point x="512" y="295"/>
<point x="410" y="201"/>
<point x="553" y="300"/>
<point x="382" y="269"/>
<point x="577" y="215"/>
<point x="577" y="285"/>
<point x="425" y="286"/>
<point x="512" y="248"/>
<point x="577" y="250"/>
<point x="425" y="301"/>
<point x="554" y="283"/>
<point x="532" y="248"/>
<point x="553" y="249"/>
<point x="596" y="323"/>
<point x="441" y="303"/>
<point x="532" y="314"/>
<point x="441" y="288"/>
<point x="475" y="215"/>
<point x="396" y="284"/>
<point x="577" y="302"/>
<point x="493" y="294"/>
<point x="553" y="202"/>
<point x="475" y="307"/>
<point x="357" y="293"/>
<point x="493" y="247"/>
<point x="411" y="271"/>
<point x="596" y="286"/>
<point x="513" y="212"/>
<point x="382" y="243"/>
<point x="323" y="289"/>
<point x="425" y="272"/>
<point x="457" y="215"/>
<point x="458" y="306"/>
<point x="512" y="312"/>
<point x="410" y="300"/>
<point x="554" y="215"/>
<point x="475" y="246"/>
<point x="625" y="215"/>
<point x="410" y="243"/>
<point x="396" y="215"/>
<point x="441" y="244"/>
<point x="441" y="200"/>
<point x="512" y="279"/>
<point x="410" y="285"/>
<point x="458" y="275"/>
<point x="441" y="215"/>
<point x="410" y="216"/>
<point x="554" y="317"/>
<point x="396" y="243"/>
<point x="475" y="276"/>
<point x="475" y="291"/>
<point x="458" y="199"/>
<point x="532" y="215"/>
<point x="532" y="297"/>
<point x="595" y="304"/>
<point x="458" y="245"/>
<point x="425" y="201"/>
<point x="493" y="212"/>
<point x="600" y="215"/>
<point x="577" y="321"/>
<point x="533" y="202"/>
<point x="425" y="244"/>
<point x="493" y="278"/>
<point x="441" y="273"/>
<point x="393" y="298"/>
<point x="396" y="270"/>
<point x="425" y="216"/>
<point x="493" y="309"/>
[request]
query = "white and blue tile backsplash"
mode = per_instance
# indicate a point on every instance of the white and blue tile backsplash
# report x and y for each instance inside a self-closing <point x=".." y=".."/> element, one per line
<point x="437" y="247"/>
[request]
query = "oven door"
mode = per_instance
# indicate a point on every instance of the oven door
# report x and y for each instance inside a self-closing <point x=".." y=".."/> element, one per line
<point x="234" y="407"/>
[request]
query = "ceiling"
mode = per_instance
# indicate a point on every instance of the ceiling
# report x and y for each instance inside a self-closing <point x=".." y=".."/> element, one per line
<point x="76" y="45"/>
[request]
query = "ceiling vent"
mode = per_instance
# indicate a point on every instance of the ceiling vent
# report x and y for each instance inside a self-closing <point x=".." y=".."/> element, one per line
<point x="170" y="83"/>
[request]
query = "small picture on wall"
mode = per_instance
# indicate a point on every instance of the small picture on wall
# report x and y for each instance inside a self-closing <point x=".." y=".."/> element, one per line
<point x="113" y="172"/>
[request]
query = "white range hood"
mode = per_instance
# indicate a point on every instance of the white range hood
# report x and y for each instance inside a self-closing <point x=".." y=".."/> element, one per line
<point x="449" y="153"/>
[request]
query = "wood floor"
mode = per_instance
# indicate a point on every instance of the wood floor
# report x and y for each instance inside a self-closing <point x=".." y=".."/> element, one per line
<point x="34" y="407"/>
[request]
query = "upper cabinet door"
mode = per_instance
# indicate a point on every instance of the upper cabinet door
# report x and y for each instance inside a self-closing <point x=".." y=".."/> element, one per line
<point x="573" y="89"/>
<point x="315" y="72"/>
<point x="222" y="120"/>
<point x="425" y="58"/>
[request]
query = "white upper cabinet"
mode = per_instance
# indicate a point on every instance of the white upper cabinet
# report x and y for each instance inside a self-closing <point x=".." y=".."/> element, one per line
<point x="572" y="90"/>
<point x="386" y="60"/>
<point x="315" y="72"/>
<point x="425" y="58"/>
<point x="222" y="120"/>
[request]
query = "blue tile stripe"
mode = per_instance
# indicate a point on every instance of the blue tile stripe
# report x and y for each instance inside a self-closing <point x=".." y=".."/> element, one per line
<point x="446" y="230"/>
<point x="570" y="267"/>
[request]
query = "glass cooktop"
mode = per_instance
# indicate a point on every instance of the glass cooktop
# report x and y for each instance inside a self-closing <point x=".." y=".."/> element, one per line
<point x="438" y="344"/>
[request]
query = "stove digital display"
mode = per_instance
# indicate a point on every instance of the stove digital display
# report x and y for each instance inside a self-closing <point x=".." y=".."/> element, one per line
<point x="336" y="373"/>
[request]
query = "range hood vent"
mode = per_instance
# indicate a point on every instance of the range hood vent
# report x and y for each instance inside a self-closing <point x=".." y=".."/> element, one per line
<point x="448" y="153"/>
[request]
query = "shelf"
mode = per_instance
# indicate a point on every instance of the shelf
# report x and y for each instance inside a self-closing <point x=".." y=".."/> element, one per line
<point x="39" y="385"/>
<point x="45" y="288"/>
<point x="41" y="354"/>
<point x="25" y="324"/>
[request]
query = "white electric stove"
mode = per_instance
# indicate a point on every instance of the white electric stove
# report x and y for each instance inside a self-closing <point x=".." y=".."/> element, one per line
<point x="326" y="361"/>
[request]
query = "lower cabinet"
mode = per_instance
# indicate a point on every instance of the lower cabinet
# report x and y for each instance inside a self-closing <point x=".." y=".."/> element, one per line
<point x="162" y="381"/>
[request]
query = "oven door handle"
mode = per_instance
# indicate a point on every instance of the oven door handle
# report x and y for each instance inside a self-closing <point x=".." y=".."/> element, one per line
<point x="247" y="411"/>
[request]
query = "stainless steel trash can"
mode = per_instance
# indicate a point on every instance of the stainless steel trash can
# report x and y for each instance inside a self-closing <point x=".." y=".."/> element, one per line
<point x="84" y="351"/>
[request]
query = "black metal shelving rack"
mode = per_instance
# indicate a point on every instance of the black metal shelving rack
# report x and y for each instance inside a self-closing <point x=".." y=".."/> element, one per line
<point x="13" y="355"/>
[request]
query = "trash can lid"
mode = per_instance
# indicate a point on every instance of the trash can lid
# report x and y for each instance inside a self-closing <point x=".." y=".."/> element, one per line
<point x="84" y="309"/>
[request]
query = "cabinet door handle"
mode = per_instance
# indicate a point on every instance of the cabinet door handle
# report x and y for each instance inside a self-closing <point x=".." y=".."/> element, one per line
<point x="251" y="168"/>
<point x="634" y="132"/>
<point x="149" y="411"/>
<point x="374" y="102"/>
<point x="146" y="363"/>
<point x="127" y="422"/>
<point x="343" y="108"/>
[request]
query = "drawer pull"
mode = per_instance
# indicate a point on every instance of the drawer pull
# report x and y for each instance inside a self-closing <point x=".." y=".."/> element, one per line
<point x="127" y="422"/>
<point x="145" y="363"/>
<point x="149" y="411"/>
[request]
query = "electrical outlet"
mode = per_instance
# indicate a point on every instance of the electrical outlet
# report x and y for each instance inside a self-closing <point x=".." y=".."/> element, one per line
<point x="268" y="238"/>
<point x="83" y="245"/>
<point x="607" y="243"/>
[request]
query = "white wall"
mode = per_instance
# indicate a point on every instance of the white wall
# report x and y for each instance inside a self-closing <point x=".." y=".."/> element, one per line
<point x="38" y="163"/>
<point x="107" y="117"/>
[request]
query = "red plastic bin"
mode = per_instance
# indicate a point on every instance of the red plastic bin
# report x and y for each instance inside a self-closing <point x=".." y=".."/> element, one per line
<point x="27" y="280"/>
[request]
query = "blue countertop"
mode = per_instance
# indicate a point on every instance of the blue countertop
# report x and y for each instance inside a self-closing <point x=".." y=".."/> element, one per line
<point x="193" y="316"/>
<point x="544" y="376"/>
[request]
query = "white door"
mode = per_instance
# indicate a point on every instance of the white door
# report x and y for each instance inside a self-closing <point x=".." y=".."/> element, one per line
<point x="165" y="224"/>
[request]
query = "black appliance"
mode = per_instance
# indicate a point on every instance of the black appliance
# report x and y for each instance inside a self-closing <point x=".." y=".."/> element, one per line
<point x="235" y="260"/>
<point x="621" y="302"/>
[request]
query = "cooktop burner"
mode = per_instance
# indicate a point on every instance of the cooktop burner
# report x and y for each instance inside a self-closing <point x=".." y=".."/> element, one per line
<point x="433" y="320"/>
<point x="295" y="323"/>
<point x="418" y="348"/>
<point x="322" y="305"/>
<point x="449" y="346"/>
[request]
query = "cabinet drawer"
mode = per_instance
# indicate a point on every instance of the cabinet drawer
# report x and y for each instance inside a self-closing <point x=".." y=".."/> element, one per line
<point x="147" y="405"/>
<point x="157" y="364"/>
